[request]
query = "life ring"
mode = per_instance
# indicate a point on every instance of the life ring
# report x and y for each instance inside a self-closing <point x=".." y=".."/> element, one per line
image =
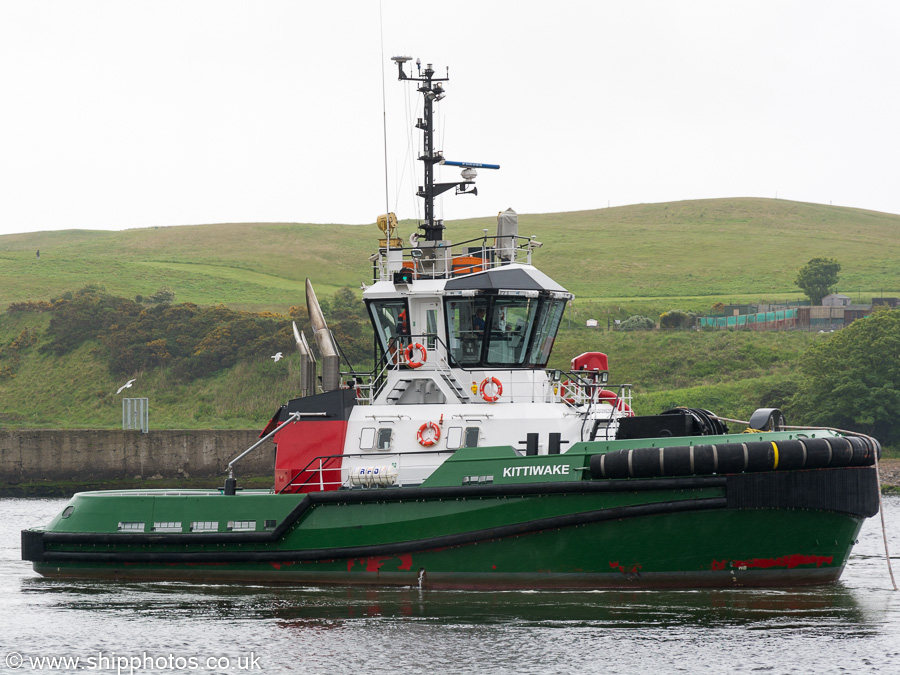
<point x="607" y="396"/>
<point x="408" y="352"/>
<point x="435" y="435"/>
<point x="488" y="397"/>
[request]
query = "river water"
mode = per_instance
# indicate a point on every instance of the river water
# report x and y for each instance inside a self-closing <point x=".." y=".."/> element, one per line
<point x="112" y="627"/>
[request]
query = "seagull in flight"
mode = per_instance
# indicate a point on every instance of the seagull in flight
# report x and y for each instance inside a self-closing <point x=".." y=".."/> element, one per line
<point x="277" y="357"/>
<point x="125" y="386"/>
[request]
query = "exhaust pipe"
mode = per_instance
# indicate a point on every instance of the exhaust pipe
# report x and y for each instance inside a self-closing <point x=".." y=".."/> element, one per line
<point x="331" y="366"/>
<point x="307" y="363"/>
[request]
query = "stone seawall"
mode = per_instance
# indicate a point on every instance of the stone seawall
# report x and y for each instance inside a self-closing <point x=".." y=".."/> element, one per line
<point x="28" y="455"/>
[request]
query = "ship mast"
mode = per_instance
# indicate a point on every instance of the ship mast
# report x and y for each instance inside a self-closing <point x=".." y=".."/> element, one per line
<point x="432" y="91"/>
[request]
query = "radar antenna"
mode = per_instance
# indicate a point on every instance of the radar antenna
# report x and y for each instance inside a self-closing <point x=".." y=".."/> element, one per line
<point x="432" y="91"/>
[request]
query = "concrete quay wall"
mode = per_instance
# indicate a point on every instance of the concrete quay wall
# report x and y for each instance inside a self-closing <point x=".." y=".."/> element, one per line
<point x="58" y="455"/>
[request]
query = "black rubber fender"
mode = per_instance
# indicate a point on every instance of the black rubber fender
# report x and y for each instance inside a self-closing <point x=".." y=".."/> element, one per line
<point x="730" y="458"/>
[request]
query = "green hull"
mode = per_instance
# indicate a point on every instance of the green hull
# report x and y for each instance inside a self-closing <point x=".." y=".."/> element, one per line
<point x="698" y="531"/>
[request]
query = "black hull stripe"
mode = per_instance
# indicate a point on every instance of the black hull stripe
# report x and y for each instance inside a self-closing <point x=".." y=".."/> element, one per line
<point x="386" y="495"/>
<point x="445" y="541"/>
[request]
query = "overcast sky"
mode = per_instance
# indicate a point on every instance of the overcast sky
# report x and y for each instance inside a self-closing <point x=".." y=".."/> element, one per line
<point x="125" y="114"/>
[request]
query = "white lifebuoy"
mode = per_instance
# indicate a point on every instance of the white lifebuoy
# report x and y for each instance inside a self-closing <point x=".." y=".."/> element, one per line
<point x="490" y="398"/>
<point x="409" y="357"/>
<point x="432" y="438"/>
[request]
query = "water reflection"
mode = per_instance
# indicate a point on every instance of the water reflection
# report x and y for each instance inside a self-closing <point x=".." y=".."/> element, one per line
<point x="851" y="625"/>
<point x="326" y="606"/>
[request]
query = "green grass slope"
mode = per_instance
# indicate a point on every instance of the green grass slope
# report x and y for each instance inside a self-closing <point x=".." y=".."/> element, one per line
<point x="641" y="259"/>
<point x="739" y="248"/>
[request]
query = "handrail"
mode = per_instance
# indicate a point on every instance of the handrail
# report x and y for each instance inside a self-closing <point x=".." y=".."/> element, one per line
<point x="292" y="417"/>
<point x="386" y="362"/>
<point x="328" y="458"/>
<point x="382" y="263"/>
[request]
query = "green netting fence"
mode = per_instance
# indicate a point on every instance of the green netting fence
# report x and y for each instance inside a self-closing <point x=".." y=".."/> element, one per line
<point x="760" y="320"/>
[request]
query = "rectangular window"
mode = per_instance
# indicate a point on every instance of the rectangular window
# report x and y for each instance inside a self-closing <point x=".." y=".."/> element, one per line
<point x="242" y="525"/>
<point x="204" y="526"/>
<point x="477" y="480"/>
<point x="167" y="526"/>
<point x="384" y="439"/>
<point x="471" y="437"/>
<point x="431" y="323"/>
<point x="545" y="333"/>
<point x="511" y="326"/>
<point x="270" y="524"/>
<point x="390" y="319"/>
<point x="131" y="527"/>
<point x="466" y="323"/>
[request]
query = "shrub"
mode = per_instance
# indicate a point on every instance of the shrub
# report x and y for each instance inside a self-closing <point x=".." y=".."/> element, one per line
<point x="194" y="341"/>
<point x="30" y="306"/>
<point x="676" y="318"/>
<point x="637" y="322"/>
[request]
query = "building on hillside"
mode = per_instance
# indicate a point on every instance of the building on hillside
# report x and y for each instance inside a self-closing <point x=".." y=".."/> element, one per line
<point x="739" y="310"/>
<point x="835" y="312"/>
<point x="836" y="300"/>
<point x="821" y="318"/>
<point x="854" y="312"/>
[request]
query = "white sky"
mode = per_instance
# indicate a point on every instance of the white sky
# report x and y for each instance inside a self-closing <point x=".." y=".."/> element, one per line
<point x="123" y="114"/>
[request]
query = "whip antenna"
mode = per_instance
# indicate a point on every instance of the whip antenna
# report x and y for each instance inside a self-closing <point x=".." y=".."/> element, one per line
<point x="387" y="204"/>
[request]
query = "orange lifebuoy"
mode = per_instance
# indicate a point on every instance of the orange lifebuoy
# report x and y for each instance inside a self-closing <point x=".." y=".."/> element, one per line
<point x="490" y="398"/>
<point x="435" y="434"/>
<point x="607" y="396"/>
<point x="408" y="352"/>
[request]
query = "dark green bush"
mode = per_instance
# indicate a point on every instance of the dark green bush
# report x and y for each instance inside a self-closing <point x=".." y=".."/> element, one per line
<point x="637" y="322"/>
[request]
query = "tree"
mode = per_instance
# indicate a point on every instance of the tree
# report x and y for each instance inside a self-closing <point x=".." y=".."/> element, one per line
<point x="817" y="278"/>
<point x="852" y="381"/>
<point x="164" y="296"/>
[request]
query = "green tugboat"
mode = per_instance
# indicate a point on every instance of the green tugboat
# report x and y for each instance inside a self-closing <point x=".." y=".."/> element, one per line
<point x="462" y="461"/>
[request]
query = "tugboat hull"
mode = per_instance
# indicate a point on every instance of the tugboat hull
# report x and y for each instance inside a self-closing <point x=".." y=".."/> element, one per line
<point x="713" y="531"/>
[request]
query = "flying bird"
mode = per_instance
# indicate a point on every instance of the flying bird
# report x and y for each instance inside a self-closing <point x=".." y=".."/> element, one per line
<point x="125" y="386"/>
<point x="277" y="357"/>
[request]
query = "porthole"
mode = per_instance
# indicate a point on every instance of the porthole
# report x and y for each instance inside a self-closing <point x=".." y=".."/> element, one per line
<point x="67" y="511"/>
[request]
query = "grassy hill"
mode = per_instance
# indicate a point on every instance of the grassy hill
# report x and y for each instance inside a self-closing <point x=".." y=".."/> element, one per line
<point x="724" y="248"/>
<point x="641" y="259"/>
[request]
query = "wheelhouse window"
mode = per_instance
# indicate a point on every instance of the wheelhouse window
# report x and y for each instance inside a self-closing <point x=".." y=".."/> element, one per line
<point x="545" y="333"/>
<point x="511" y="325"/>
<point x="390" y="319"/>
<point x="510" y="331"/>
<point x="466" y="324"/>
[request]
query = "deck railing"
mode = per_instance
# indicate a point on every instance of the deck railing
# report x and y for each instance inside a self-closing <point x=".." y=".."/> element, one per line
<point x="366" y="470"/>
<point x="443" y="260"/>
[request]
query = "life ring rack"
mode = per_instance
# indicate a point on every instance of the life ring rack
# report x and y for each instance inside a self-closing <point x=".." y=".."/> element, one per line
<point x="434" y="437"/>
<point x="599" y="395"/>
<point x="615" y="400"/>
<point x="408" y="353"/>
<point x="482" y="389"/>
